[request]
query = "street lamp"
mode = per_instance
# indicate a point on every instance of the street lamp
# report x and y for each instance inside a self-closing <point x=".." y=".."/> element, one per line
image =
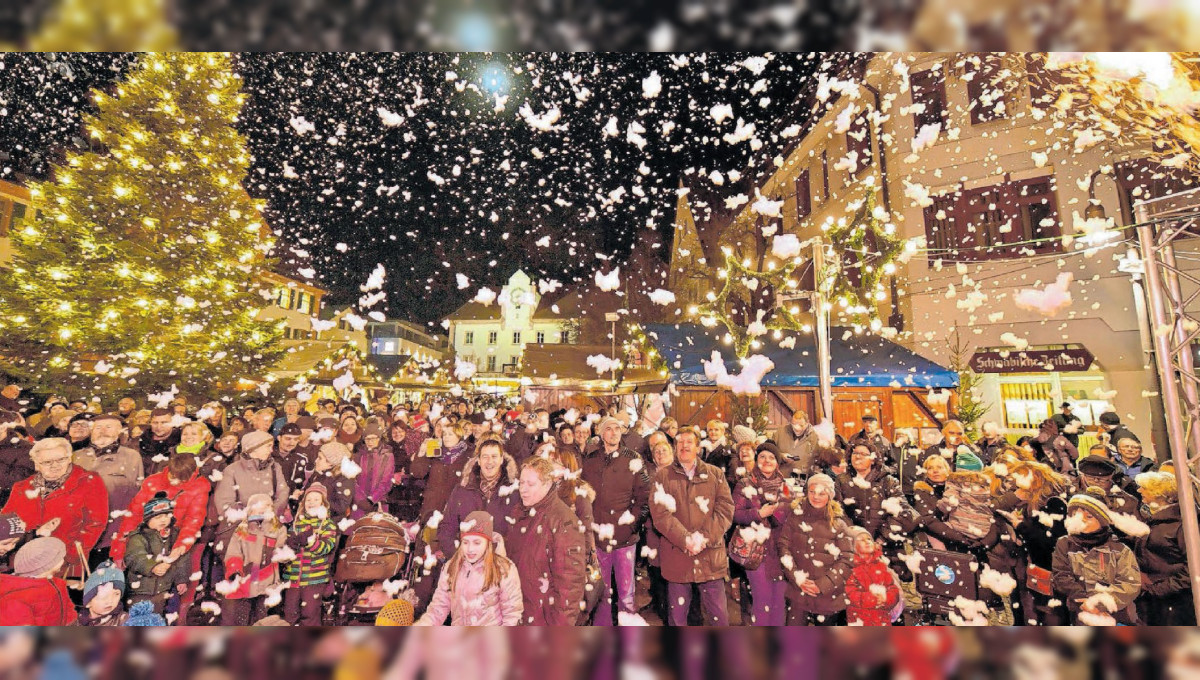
<point x="613" y="318"/>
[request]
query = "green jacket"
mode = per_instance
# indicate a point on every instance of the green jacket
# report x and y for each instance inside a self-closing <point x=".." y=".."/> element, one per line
<point x="141" y="556"/>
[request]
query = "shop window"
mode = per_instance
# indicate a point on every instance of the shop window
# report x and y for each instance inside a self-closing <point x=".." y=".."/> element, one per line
<point x="928" y="90"/>
<point x="858" y="139"/>
<point x="803" y="196"/>
<point x="984" y="89"/>
<point x="1002" y="221"/>
<point x="1144" y="179"/>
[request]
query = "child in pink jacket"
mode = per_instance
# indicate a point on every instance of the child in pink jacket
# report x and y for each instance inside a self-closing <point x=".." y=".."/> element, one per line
<point x="479" y="586"/>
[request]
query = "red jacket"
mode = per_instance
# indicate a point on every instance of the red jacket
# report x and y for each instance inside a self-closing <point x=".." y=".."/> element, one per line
<point x="864" y="606"/>
<point x="191" y="507"/>
<point x="81" y="503"/>
<point x="35" y="602"/>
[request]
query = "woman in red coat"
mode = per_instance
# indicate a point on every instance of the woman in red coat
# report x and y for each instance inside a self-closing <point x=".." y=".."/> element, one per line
<point x="61" y="500"/>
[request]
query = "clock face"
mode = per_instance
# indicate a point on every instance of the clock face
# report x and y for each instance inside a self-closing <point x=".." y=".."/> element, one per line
<point x="517" y="296"/>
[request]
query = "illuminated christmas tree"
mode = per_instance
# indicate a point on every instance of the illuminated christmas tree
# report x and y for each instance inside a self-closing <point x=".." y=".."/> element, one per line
<point x="142" y="266"/>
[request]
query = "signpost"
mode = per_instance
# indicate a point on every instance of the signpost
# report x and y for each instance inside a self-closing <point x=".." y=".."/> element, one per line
<point x="1071" y="358"/>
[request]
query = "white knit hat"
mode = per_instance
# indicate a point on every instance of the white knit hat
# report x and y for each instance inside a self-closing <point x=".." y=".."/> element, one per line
<point x="741" y="433"/>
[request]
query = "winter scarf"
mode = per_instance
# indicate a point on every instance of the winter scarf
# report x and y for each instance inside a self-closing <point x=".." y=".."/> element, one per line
<point x="1094" y="539"/>
<point x="49" y="486"/>
<point x="193" y="449"/>
<point x="488" y="486"/>
<point x="772" y="485"/>
<point x="107" y="450"/>
<point x="451" y="455"/>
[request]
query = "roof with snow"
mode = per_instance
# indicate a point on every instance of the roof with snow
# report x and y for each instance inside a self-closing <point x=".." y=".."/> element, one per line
<point x="855" y="360"/>
<point x="476" y="311"/>
<point x="568" y="363"/>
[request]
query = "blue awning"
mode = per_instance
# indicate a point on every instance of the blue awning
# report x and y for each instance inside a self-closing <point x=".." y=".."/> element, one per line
<point x="855" y="360"/>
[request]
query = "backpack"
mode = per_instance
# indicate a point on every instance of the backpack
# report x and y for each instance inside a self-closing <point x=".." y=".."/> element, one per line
<point x="376" y="548"/>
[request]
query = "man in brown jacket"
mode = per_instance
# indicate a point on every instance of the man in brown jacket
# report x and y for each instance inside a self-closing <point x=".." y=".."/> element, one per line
<point x="548" y="546"/>
<point x="622" y="504"/>
<point x="692" y="508"/>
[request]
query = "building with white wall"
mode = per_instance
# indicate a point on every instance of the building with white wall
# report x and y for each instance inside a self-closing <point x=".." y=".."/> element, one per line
<point x="494" y="336"/>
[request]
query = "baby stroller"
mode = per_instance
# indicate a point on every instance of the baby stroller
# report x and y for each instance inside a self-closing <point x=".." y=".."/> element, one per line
<point x="377" y="549"/>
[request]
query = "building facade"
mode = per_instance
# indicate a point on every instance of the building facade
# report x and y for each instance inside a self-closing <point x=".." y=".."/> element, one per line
<point x="16" y="206"/>
<point x="494" y="336"/>
<point x="993" y="201"/>
<point x="404" y="338"/>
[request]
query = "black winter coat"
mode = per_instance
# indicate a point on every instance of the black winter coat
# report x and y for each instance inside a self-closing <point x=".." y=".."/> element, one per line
<point x="15" y="463"/>
<point x="622" y="485"/>
<point x="1166" y="598"/>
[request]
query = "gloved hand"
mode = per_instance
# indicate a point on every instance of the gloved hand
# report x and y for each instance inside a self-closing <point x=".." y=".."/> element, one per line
<point x="299" y="541"/>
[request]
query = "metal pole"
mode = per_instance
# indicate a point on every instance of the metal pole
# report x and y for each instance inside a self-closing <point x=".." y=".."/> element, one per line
<point x="1174" y="417"/>
<point x="825" y="382"/>
<point x="1184" y="352"/>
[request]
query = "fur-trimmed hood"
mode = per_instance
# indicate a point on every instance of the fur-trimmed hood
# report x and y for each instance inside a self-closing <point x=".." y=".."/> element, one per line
<point x="967" y="477"/>
<point x="508" y="471"/>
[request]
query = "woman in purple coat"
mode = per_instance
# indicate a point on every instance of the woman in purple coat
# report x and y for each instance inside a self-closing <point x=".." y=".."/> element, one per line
<point x="378" y="467"/>
<point x="760" y="504"/>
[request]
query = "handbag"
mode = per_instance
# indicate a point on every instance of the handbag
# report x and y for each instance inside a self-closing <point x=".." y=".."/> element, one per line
<point x="898" y="609"/>
<point x="749" y="554"/>
<point x="1038" y="580"/>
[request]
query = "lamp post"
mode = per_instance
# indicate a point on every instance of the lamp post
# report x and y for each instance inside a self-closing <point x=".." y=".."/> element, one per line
<point x="825" y="380"/>
<point x="613" y="318"/>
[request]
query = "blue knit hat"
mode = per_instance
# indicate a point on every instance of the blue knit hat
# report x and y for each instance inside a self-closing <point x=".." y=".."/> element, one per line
<point x="159" y="505"/>
<point x="967" y="461"/>
<point x="143" y="614"/>
<point x="105" y="573"/>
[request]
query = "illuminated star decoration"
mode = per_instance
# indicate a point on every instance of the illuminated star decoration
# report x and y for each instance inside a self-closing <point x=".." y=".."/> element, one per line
<point x="869" y="242"/>
<point x="739" y="278"/>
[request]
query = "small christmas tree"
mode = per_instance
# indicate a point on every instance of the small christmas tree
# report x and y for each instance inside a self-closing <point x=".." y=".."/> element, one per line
<point x="142" y="266"/>
<point x="970" y="408"/>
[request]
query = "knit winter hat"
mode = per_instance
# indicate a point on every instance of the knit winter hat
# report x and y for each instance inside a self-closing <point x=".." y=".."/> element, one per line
<point x="254" y="440"/>
<point x="142" y="614"/>
<point x="606" y="421"/>
<point x="317" y="487"/>
<point x="822" y="480"/>
<point x="159" y="505"/>
<point x="478" y="523"/>
<point x="967" y="461"/>
<point x="855" y="530"/>
<point x="11" y="526"/>
<point x="771" y="448"/>
<point x="395" y="613"/>
<point x="741" y="433"/>
<point x="305" y="423"/>
<point x="39" y="556"/>
<point x="105" y="573"/>
<point x="1091" y="502"/>
<point x="372" y="430"/>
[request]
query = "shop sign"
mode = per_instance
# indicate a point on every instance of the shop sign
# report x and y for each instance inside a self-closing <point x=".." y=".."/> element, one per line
<point x="1032" y="360"/>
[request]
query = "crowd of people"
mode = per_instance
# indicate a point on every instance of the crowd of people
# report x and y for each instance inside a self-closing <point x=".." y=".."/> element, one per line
<point x="563" y="516"/>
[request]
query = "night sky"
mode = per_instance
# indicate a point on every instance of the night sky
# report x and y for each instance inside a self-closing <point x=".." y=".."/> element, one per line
<point x="437" y="165"/>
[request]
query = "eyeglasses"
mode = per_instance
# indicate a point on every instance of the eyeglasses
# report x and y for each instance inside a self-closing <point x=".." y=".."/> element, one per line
<point x="55" y="462"/>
